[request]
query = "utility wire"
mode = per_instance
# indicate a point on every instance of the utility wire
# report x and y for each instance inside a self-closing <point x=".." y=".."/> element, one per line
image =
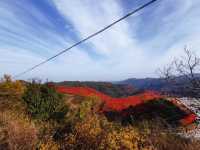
<point x="87" y="38"/>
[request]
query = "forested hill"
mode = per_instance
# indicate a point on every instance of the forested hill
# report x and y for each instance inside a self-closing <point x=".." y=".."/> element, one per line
<point x="114" y="90"/>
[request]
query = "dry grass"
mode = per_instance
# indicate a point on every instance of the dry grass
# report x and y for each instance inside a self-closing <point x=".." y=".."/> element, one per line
<point x="95" y="132"/>
<point x="89" y="130"/>
<point x="18" y="132"/>
<point x="49" y="145"/>
<point x="163" y="137"/>
<point x="11" y="88"/>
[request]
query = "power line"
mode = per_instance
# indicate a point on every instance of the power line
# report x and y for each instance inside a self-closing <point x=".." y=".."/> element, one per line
<point x="87" y="38"/>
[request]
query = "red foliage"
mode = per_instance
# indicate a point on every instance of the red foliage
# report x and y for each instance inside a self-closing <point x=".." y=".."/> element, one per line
<point x="188" y="119"/>
<point x="116" y="104"/>
<point x="119" y="104"/>
<point x="82" y="91"/>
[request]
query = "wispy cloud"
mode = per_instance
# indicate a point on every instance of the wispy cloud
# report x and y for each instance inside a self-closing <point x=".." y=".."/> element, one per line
<point x="117" y="44"/>
<point x="31" y="31"/>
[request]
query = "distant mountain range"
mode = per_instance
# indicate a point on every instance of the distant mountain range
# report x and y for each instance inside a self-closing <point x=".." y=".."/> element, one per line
<point x="146" y="83"/>
<point x="134" y="86"/>
<point x="161" y="85"/>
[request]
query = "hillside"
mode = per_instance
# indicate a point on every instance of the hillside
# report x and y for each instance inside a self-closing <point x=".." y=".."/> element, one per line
<point x="144" y="105"/>
<point x="114" y="90"/>
<point x="44" y="117"/>
<point x="161" y="85"/>
<point x="134" y="86"/>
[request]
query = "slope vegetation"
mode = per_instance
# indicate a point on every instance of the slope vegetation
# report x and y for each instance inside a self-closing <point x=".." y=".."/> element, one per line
<point x="149" y="100"/>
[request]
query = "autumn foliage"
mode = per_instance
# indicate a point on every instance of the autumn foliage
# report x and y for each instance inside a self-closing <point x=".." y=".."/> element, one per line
<point x="188" y="119"/>
<point x="32" y="121"/>
<point x="117" y="104"/>
<point x="120" y="104"/>
<point x="9" y="87"/>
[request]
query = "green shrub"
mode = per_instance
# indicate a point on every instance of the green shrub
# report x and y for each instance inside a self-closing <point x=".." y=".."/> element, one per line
<point x="88" y="106"/>
<point x="44" y="102"/>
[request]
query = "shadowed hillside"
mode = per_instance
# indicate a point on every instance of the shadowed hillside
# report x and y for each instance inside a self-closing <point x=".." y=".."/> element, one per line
<point x="142" y="106"/>
<point x="161" y="85"/>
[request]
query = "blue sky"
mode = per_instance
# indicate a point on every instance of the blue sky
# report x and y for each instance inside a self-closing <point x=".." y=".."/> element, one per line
<point x="33" y="30"/>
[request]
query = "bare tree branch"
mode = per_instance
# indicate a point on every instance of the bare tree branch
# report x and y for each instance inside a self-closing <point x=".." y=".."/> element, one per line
<point x="188" y="67"/>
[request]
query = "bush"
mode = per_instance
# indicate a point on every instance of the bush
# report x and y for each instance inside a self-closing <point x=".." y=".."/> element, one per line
<point x="88" y="107"/>
<point x="49" y="145"/>
<point x="17" y="132"/>
<point x="163" y="137"/>
<point x="95" y="132"/>
<point x="92" y="130"/>
<point x="44" y="102"/>
<point x="11" y="88"/>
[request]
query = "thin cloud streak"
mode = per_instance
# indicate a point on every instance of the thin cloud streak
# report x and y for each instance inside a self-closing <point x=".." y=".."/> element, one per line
<point x="136" y="47"/>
